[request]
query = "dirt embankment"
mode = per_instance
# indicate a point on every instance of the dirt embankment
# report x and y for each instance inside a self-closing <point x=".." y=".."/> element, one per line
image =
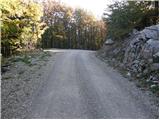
<point x="22" y="76"/>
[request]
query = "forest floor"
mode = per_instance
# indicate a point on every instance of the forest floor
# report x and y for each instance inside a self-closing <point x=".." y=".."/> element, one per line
<point x="70" y="84"/>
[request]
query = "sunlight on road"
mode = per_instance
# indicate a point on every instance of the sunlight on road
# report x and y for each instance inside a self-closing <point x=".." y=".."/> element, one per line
<point x="55" y="50"/>
<point x="66" y="50"/>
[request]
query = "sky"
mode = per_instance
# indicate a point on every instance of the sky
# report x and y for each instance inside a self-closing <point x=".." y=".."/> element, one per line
<point x="97" y="7"/>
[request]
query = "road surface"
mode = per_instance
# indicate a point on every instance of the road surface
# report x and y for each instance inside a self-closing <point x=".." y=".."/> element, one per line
<point x="82" y="86"/>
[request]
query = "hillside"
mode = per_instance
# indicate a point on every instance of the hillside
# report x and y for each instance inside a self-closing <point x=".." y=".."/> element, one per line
<point x="137" y="57"/>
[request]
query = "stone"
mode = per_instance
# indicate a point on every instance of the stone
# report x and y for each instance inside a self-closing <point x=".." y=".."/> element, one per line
<point x="134" y="42"/>
<point x="150" y="60"/>
<point x="156" y="57"/>
<point x="129" y="74"/>
<point x="153" y="27"/>
<point x="155" y="82"/>
<point x="153" y="86"/>
<point x="150" y="48"/>
<point x="148" y="80"/>
<point x="145" y="71"/>
<point x="151" y="32"/>
<point x="139" y="75"/>
<point x="140" y="53"/>
<point x="156" y="54"/>
<point x="146" y="54"/>
<point x="136" y="61"/>
<point x="153" y="44"/>
<point x="115" y="51"/>
<point x="141" y="37"/>
<point x="154" y="66"/>
<point x="135" y="31"/>
<point x="109" y="42"/>
<point x="142" y="63"/>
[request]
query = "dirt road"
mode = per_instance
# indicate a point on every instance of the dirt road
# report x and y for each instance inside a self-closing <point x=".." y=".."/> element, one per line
<point x="82" y="86"/>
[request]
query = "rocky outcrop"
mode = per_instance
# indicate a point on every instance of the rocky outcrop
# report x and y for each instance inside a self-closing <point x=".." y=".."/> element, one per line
<point x="138" y="54"/>
<point x="141" y="56"/>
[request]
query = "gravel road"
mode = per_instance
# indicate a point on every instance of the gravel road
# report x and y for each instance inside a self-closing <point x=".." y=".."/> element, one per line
<point x="82" y="86"/>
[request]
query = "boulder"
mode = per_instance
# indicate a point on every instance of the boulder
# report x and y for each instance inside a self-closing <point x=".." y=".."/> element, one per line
<point x="153" y="44"/>
<point x="156" y="57"/>
<point x="109" y="42"/>
<point x="149" y="49"/>
<point x="129" y="74"/>
<point x="151" y="32"/>
<point x="145" y="72"/>
<point x="150" y="60"/>
<point x="134" y="32"/>
<point x="154" y="67"/>
<point x="138" y="54"/>
<point x="156" y="54"/>
<point x="153" y="27"/>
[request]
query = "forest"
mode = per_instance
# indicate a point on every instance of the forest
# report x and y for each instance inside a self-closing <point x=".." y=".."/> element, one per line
<point x="68" y="28"/>
<point x="63" y="62"/>
<point x="32" y="24"/>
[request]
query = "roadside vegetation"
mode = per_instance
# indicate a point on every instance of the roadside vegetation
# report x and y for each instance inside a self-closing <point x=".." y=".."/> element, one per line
<point x="22" y="76"/>
<point x="28" y="25"/>
<point x="125" y="16"/>
<point x="21" y="25"/>
<point x="71" y="28"/>
<point x="133" y="28"/>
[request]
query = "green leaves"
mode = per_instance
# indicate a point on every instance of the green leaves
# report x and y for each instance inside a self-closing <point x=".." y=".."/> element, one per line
<point x="20" y="22"/>
<point x="71" y="28"/>
<point x="125" y="16"/>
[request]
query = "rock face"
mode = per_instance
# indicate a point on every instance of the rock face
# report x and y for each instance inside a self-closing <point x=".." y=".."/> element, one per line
<point x="142" y="49"/>
<point x="151" y="32"/>
<point x="139" y="53"/>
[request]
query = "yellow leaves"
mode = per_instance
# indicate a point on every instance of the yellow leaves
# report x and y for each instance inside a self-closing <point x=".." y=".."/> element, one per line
<point x="20" y="8"/>
<point x="69" y="13"/>
<point x="18" y="18"/>
<point x="9" y="6"/>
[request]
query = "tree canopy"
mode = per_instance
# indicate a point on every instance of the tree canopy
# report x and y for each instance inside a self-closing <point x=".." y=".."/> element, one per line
<point x="21" y="24"/>
<point x="71" y="28"/>
<point x="29" y="24"/>
<point x="127" y="15"/>
<point x="51" y="24"/>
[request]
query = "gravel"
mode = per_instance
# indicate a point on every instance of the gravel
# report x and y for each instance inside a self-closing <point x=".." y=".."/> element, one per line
<point x="20" y="82"/>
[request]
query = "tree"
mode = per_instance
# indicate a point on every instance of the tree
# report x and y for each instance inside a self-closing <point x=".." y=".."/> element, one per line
<point x="128" y="15"/>
<point x="21" y="24"/>
<point x="71" y="28"/>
